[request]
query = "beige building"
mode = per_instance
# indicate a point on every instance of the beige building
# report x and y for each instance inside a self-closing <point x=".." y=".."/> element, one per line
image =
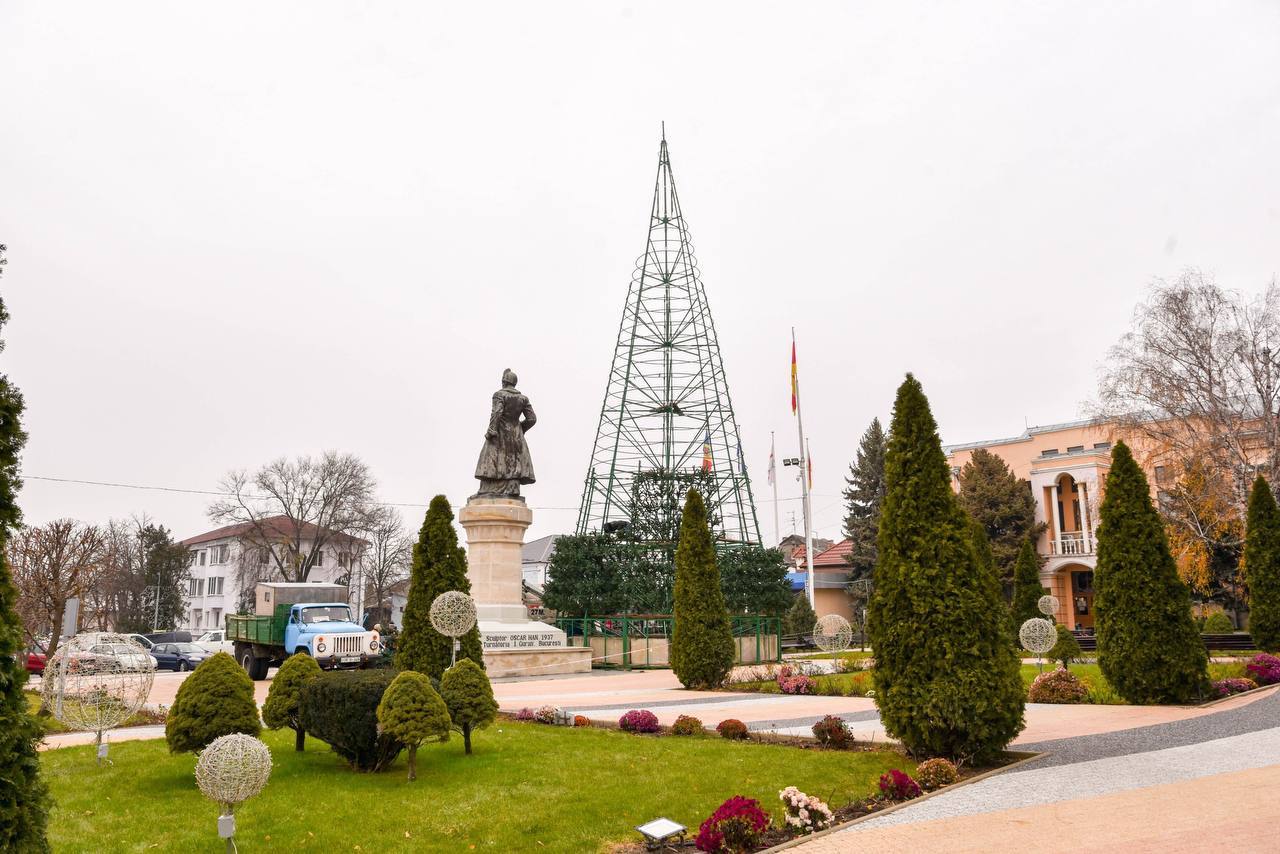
<point x="1067" y="466"/>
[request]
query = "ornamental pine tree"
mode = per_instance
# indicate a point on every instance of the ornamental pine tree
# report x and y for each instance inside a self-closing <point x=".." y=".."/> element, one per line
<point x="991" y="493"/>
<point x="864" y="498"/>
<point x="702" y="641"/>
<point x="946" y="677"/>
<point x="1148" y="646"/>
<point x="412" y="711"/>
<point x="283" y="708"/>
<point x="469" y="696"/>
<point x="439" y="565"/>
<point x="1027" y="588"/>
<point x="24" y="798"/>
<point x="1262" y="567"/>
<point x="215" y="700"/>
<point x="800" y="617"/>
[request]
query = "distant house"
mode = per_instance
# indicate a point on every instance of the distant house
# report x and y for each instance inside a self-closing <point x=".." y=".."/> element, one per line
<point x="227" y="561"/>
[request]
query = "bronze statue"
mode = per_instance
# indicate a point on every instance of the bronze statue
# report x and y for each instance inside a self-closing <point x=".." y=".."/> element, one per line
<point x="504" y="462"/>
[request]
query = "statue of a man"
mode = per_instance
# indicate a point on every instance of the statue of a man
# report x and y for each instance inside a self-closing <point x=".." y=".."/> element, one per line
<point x="504" y="462"/>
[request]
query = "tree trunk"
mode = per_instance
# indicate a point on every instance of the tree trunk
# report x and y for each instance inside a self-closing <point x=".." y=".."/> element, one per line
<point x="300" y="739"/>
<point x="466" y="737"/>
<point x="413" y="762"/>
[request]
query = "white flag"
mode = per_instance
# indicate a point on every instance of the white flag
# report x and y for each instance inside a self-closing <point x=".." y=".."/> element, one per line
<point x="772" y="473"/>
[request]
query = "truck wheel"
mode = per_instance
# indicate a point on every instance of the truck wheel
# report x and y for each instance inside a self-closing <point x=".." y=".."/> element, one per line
<point x="260" y="668"/>
<point x="249" y="662"/>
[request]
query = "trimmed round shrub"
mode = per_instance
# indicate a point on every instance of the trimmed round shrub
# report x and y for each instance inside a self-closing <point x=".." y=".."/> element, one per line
<point x="545" y="715"/>
<point x="732" y="729"/>
<point x="469" y="695"/>
<point x="1218" y="623"/>
<point x="935" y="773"/>
<point x="832" y="731"/>
<point x="1067" y="649"/>
<point x="411" y="711"/>
<point x="282" y="706"/>
<point x="215" y="700"/>
<point x="1264" y="669"/>
<point x="1227" y="687"/>
<point x="341" y="709"/>
<point x="898" y="786"/>
<point x="735" y="826"/>
<point x="581" y="720"/>
<point x="1057" y="686"/>
<point x="686" y="725"/>
<point x="638" y="720"/>
<point x="525" y="714"/>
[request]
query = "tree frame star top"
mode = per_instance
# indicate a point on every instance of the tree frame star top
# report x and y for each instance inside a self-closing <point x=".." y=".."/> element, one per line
<point x="667" y="424"/>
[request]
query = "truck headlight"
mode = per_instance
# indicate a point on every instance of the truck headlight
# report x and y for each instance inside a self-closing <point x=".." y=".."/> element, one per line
<point x="320" y="647"/>
<point x="373" y="645"/>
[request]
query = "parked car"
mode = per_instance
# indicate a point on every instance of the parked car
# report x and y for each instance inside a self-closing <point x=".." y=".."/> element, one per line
<point x="178" y="656"/>
<point x="168" y="637"/>
<point x="142" y="640"/>
<point x="215" y="640"/>
<point x="35" y="663"/>
<point x="106" y="657"/>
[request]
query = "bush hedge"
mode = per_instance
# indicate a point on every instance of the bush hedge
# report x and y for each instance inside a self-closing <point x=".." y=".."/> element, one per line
<point x="341" y="709"/>
<point x="1218" y="623"/>
<point x="215" y="700"/>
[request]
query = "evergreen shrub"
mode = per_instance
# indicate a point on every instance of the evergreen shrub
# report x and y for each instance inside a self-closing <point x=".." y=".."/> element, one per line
<point x="1218" y="623"/>
<point x="282" y="706"/>
<point x="702" y="643"/>
<point x="410" y="710"/>
<point x="469" y="696"/>
<point x="340" y="708"/>
<point x="1067" y="649"/>
<point x="215" y="700"/>
<point x="1262" y="567"/>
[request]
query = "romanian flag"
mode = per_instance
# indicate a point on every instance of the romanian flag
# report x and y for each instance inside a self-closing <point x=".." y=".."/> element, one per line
<point x="795" y="381"/>
<point x="706" y="451"/>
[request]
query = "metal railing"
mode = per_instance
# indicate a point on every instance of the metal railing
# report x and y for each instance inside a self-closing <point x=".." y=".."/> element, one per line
<point x="633" y="641"/>
<point x="1070" y="543"/>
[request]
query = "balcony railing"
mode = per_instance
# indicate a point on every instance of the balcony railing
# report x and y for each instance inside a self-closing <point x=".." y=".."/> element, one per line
<point x="1072" y="543"/>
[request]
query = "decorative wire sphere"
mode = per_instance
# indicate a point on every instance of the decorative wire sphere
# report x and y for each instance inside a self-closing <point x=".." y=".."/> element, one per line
<point x="453" y="613"/>
<point x="1038" y="635"/>
<point x="832" y="633"/>
<point x="233" y="768"/>
<point x="1048" y="605"/>
<point x="97" y="680"/>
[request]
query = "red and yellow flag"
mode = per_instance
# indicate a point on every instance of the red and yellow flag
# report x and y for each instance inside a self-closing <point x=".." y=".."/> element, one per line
<point x="706" y="451"/>
<point x="795" y="384"/>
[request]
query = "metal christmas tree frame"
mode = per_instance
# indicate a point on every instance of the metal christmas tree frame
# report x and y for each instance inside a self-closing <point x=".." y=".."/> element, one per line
<point x="667" y="424"/>
<point x="97" y="681"/>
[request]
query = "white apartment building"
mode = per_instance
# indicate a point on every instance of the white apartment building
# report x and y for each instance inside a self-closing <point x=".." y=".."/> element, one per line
<point x="218" y="557"/>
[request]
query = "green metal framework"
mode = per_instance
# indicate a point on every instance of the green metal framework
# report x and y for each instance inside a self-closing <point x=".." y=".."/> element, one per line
<point x="667" y="424"/>
<point x="636" y="630"/>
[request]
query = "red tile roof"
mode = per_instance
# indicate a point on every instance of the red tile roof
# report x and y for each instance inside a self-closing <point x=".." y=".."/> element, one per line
<point x="836" y="557"/>
<point x="280" y="526"/>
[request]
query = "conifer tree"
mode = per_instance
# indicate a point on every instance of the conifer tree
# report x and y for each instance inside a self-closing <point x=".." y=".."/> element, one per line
<point x="1002" y="504"/>
<point x="439" y="565"/>
<point x="215" y="700"/>
<point x="469" y="695"/>
<point x="864" y="497"/>
<point x="412" y="711"/>
<point x="946" y="677"/>
<point x="1027" y="588"/>
<point x="1148" y="646"/>
<point x="800" y="618"/>
<point x="24" y="798"/>
<point x="283" y="705"/>
<point x="702" y="641"/>
<point x="1262" y="567"/>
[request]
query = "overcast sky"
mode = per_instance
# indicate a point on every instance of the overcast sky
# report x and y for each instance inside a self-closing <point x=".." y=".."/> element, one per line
<point x="243" y="230"/>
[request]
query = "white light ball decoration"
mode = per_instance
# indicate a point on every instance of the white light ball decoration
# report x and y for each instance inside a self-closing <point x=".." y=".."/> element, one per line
<point x="96" y="681"/>
<point x="1038" y="635"/>
<point x="453" y="613"/>
<point x="232" y="769"/>
<point x="1048" y="605"/>
<point x="832" y="633"/>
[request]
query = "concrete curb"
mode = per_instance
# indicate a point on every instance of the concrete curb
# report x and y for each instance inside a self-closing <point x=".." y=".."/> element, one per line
<point x="800" y="840"/>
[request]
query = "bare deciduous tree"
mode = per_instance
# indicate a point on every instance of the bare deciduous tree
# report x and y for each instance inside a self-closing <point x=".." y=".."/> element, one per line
<point x="386" y="559"/>
<point x="292" y="509"/>
<point x="52" y="564"/>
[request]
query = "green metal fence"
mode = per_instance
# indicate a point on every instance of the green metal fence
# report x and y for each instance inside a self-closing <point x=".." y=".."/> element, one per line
<point x="632" y="641"/>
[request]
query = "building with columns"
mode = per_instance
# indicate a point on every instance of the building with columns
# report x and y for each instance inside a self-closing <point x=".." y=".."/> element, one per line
<point x="1066" y="465"/>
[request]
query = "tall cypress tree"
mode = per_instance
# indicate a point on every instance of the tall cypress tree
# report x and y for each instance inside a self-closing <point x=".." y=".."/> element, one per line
<point x="439" y="565"/>
<point x="1262" y="566"/>
<point x="947" y="679"/>
<point x="864" y="498"/>
<point x="1027" y="588"/>
<point x="1148" y="646"/>
<point x="24" y="798"/>
<point x="702" y="642"/>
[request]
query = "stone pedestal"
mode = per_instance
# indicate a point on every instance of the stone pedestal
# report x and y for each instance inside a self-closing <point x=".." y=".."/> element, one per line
<point x="513" y="644"/>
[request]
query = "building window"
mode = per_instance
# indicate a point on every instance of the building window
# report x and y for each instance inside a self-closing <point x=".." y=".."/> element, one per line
<point x="319" y="561"/>
<point x="264" y="556"/>
<point x="1162" y="474"/>
<point x="203" y="556"/>
<point x="221" y="555"/>
<point x="344" y="559"/>
<point x="1049" y="452"/>
<point x="215" y="585"/>
<point x="215" y="617"/>
<point x="199" y="586"/>
<point x="1075" y="449"/>
<point x="194" y="554"/>
<point x="191" y="587"/>
<point x="1101" y="446"/>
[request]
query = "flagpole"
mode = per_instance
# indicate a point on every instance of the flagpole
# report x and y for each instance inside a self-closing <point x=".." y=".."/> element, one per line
<point x="773" y="479"/>
<point x="804" y="476"/>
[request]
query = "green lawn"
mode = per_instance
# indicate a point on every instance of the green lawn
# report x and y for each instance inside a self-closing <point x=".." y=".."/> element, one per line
<point x="527" y="787"/>
<point x="52" y="724"/>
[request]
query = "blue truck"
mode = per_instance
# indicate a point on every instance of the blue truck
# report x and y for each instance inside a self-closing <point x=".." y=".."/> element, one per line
<point x="312" y="618"/>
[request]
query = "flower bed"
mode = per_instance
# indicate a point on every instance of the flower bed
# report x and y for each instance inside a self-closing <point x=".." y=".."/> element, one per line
<point x="1263" y="669"/>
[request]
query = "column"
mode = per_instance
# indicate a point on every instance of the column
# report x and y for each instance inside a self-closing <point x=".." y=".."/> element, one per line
<point x="1055" y="536"/>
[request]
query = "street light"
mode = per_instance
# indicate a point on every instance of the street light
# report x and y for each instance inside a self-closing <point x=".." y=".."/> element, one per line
<point x="662" y="833"/>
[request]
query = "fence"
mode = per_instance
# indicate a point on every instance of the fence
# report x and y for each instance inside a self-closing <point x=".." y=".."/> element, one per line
<point x="644" y="640"/>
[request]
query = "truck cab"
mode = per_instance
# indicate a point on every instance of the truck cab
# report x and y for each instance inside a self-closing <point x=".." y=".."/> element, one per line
<point x="326" y="632"/>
